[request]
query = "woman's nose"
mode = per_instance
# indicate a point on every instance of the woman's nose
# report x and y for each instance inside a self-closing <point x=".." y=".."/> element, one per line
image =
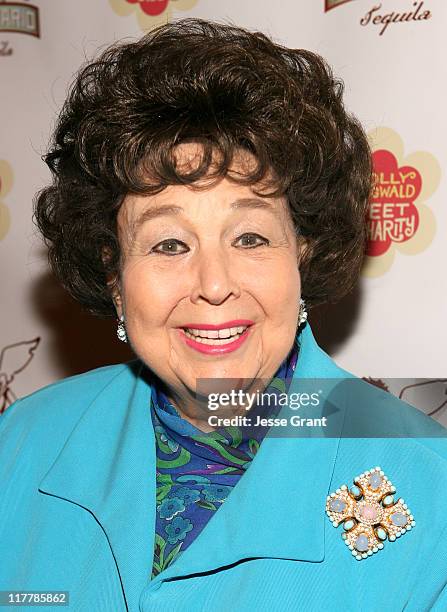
<point x="214" y="280"/>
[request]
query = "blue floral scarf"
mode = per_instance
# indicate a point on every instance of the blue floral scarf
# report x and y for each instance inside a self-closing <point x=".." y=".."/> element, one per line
<point x="196" y="471"/>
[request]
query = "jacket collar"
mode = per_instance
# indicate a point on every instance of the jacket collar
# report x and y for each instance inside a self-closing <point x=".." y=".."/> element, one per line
<point x="107" y="466"/>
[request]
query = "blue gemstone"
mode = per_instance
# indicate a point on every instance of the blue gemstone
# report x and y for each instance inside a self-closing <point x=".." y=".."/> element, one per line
<point x="375" y="480"/>
<point x="347" y="525"/>
<point x="355" y="491"/>
<point x="399" y="519"/>
<point x="388" y="500"/>
<point x="361" y="543"/>
<point x="381" y="533"/>
<point x="337" y="505"/>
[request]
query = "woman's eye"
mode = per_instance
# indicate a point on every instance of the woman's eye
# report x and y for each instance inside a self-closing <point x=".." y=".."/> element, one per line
<point x="170" y="247"/>
<point x="252" y="240"/>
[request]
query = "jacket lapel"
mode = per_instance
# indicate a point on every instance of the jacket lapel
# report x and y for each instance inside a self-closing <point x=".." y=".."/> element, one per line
<point x="107" y="466"/>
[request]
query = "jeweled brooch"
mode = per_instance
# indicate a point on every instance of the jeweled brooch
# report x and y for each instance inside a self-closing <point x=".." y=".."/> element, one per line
<point x="369" y="513"/>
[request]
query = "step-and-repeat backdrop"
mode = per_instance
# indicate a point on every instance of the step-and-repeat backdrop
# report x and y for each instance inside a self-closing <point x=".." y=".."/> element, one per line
<point x="391" y="56"/>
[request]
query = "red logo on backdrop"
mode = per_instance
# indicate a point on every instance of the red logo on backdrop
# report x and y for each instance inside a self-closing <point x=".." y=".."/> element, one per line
<point x="392" y="215"/>
<point x="398" y="218"/>
<point x="151" y="7"/>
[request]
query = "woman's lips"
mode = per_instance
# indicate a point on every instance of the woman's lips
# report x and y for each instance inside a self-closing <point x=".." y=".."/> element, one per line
<point x="213" y="349"/>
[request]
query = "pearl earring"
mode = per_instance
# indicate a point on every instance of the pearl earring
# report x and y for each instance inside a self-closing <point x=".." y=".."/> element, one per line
<point x="121" y="330"/>
<point x="303" y="312"/>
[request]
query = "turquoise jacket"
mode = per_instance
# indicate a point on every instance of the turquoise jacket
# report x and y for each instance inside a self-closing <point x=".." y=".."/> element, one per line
<point x="77" y="508"/>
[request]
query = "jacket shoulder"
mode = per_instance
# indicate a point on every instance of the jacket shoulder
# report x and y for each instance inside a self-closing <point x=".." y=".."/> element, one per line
<point x="59" y="405"/>
<point x="373" y="412"/>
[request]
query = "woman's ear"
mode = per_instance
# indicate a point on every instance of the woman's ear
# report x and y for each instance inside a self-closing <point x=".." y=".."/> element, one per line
<point x="113" y="283"/>
<point x="116" y="296"/>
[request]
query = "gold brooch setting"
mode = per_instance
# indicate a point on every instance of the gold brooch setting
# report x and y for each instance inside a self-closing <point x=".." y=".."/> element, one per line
<point x="369" y="513"/>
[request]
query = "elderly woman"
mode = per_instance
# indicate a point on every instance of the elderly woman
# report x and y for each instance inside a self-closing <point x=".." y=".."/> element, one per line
<point x="208" y="186"/>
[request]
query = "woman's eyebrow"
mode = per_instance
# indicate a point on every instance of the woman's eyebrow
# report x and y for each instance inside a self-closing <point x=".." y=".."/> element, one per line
<point x="153" y="212"/>
<point x="254" y="203"/>
<point x="170" y="209"/>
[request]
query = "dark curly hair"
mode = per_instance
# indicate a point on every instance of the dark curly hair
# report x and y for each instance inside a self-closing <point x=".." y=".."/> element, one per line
<point x="228" y="88"/>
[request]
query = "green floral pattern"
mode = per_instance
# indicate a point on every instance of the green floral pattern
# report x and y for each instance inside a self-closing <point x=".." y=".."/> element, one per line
<point x="196" y="471"/>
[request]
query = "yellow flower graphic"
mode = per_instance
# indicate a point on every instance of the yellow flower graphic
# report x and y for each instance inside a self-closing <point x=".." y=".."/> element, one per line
<point x="6" y="180"/>
<point x="151" y="13"/>
<point x="398" y="218"/>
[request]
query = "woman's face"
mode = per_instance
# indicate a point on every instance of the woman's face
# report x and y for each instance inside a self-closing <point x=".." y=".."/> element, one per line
<point x="222" y="257"/>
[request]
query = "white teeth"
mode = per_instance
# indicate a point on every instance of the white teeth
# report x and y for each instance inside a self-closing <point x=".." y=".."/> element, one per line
<point x="215" y="342"/>
<point x="204" y="333"/>
<point x="215" y="334"/>
<point x="215" y="337"/>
